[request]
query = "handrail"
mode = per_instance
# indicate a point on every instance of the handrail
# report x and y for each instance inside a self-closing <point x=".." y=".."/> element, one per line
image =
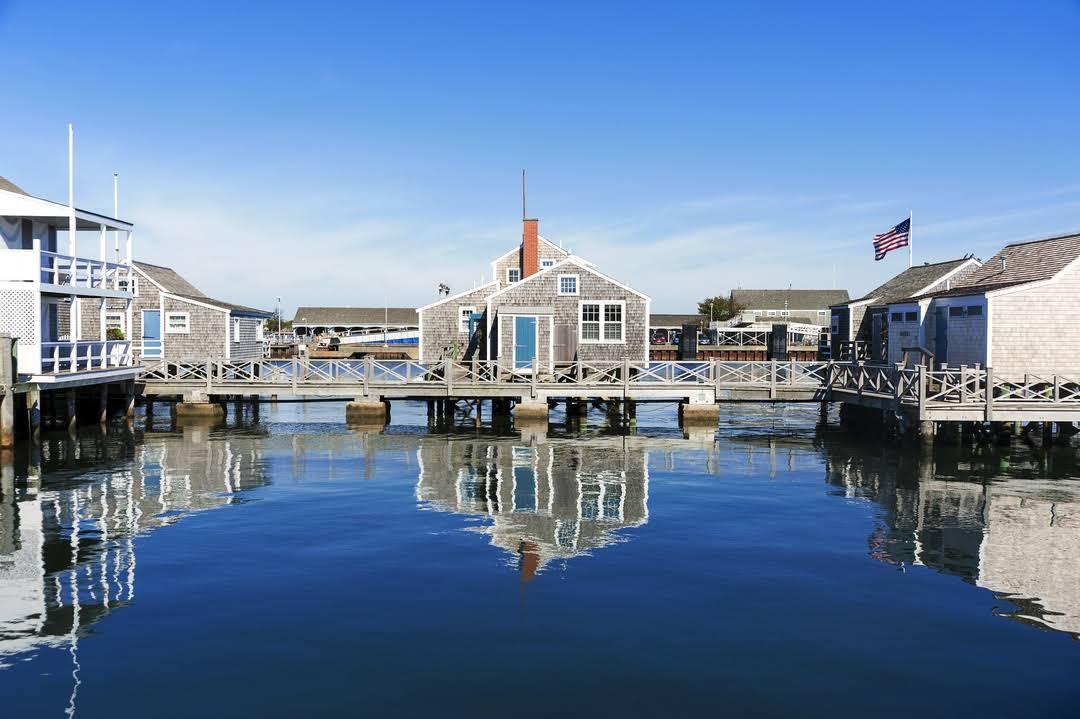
<point x="58" y="357"/>
<point x="76" y="271"/>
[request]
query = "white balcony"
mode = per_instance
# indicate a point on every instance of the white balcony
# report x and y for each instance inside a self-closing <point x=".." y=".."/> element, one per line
<point x="83" y="273"/>
<point x="61" y="357"/>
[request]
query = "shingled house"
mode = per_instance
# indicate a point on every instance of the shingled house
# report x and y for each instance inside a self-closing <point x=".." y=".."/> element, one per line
<point x="1015" y="313"/>
<point x="543" y="304"/>
<point x="859" y="329"/>
<point x="803" y="306"/>
<point x="173" y="319"/>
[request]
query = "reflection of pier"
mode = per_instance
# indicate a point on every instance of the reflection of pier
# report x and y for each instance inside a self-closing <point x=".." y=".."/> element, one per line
<point x="68" y="548"/>
<point x="552" y="500"/>
<point x="1019" y="538"/>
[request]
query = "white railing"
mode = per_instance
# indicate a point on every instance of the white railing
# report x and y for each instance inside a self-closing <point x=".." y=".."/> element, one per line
<point x="57" y="357"/>
<point x="65" y="270"/>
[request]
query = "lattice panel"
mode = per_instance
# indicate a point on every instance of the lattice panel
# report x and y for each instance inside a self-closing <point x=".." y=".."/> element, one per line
<point x="17" y="315"/>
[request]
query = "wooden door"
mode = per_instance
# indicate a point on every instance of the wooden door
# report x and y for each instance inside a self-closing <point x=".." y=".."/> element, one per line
<point x="565" y="343"/>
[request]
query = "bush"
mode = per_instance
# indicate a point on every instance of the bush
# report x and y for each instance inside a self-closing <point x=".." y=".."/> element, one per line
<point x="114" y="333"/>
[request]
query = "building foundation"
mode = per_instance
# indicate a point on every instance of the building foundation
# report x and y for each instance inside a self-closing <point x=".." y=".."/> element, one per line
<point x="530" y="411"/>
<point x="367" y="411"/>
<point x="699" y="413"/>
<point x="197" y="404"/>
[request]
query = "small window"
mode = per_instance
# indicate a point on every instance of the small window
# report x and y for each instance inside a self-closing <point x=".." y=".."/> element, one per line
<point x="897" y="317"/>
<point x="513" y="274"/>
<point x="911" y="317"/>
<point x="260" y="331"/>
<point x="177" y="323"/>
<point x="114" y="321"/>
<point x="464" y="316"/>
<point x="835" y="323"/>
<point x="771" y="313"/>
<point x="821" y="313"/>
<point x="784" y="313"/>
<point x="568" y="284"/>
<point x="544" y="264"/>
<point x="122" y="284"/>
<point x="956" y="312"/>
<point x="974" y="311"/>
<point x="236" y="330"/>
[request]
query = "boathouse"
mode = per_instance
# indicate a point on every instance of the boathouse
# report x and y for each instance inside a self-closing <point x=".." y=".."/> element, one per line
<point x="799" y="306"/>
<point x="543" y="304"/>
<point x="1014" y="313"/>
<point x="173" y="319"/>
<point x="859" y="329"/>
<point x="389" y="325"/>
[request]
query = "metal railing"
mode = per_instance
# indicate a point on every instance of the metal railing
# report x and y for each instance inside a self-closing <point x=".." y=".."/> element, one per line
<point x="59" y="357"/>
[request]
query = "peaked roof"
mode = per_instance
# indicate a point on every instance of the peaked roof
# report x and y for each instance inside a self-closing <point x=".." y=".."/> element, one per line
<point x="1028" y="261"/>
<point x="912" y="280"/>
<point x="794" y="299"/>
<point x="171" y="282"/>
<point x="562" y="264"/>
<point x="339" y="316"/>
<point x="670" y="320"/>
<point x="6" y="184"/>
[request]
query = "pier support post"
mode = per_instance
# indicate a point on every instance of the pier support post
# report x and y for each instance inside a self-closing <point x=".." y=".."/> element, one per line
<point x="699" y="413"/>
<point x="926" y="432"/>
<point x="367" y="411"/>
<point x="71" y="413"/>
<point x="530" y="410"/>
<point x="7" y="392"/>
<point x="33" y="414"/>
<point x="197" y="404"/>
<point x="103" y="404"/>
<point x="129" y="399"/>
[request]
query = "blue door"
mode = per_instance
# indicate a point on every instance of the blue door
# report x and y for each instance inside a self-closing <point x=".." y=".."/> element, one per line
<point x="524" y="342"/>
<point x="151" y="333"/>
<point x="941" y="337"/>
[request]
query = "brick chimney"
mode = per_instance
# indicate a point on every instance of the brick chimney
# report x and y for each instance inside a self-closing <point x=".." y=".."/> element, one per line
<point x="530" y="248"/>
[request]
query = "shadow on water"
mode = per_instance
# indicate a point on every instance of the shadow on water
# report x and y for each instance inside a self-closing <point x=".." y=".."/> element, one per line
<point x="1003" y="519"/>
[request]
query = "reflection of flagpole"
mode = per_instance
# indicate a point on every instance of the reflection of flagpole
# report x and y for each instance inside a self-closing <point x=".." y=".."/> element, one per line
<point x="909" y="233"/>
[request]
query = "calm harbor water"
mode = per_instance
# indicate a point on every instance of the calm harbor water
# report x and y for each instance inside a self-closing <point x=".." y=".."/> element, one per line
<point x="285" y="565"/>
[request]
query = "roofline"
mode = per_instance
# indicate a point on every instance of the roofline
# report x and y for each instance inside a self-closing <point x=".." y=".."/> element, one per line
<point x="1041" y="239"/>
<point x="577" y="261"/>
<point x="66" y="209"/>
<point x="949" y="274"/>
<point x="193" y="301"/>
<point x="454" y="297"/>
<point x="135" y="264"/>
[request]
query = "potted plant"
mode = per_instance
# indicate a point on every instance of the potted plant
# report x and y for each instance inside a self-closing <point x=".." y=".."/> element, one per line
<point x="114" y="333"/>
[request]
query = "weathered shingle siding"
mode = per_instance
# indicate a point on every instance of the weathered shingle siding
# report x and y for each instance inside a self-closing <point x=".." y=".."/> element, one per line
<point x="545" y="251"/>
<point x="247" y="345"/>
<point x="542" y="292"/>
<point x="206" y="338"/>
<point x="1034" y="330"/>
<point x="902" y="334"/>
<point x="439" y="325"/>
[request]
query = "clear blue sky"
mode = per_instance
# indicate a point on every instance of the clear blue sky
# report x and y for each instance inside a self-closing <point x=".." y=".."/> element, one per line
<point x="363" y="154"/>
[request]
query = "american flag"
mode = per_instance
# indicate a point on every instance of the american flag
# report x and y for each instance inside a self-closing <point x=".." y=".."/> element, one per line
<point x="894" y="239"/>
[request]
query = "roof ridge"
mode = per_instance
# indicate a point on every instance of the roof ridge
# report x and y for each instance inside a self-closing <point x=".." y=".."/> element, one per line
<point x="1043" y="239"/>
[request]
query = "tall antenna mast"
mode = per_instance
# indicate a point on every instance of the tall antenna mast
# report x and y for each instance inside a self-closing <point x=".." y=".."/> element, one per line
<point x="522" y="194"/>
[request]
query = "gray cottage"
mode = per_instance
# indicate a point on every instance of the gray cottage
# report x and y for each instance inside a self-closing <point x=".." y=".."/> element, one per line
<point x="173" y="319"/>
<point x="1015" y="313"/>
<point x="860" y="329"/>
<point x="806" y="306"/>
<point x="543" y="305"/>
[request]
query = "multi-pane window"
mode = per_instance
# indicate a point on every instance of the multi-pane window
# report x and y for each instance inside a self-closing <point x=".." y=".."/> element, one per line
<point x="956" y="312"/>
<point x="513" y="274"/>
<point x="236" y="330"/>
<point x="464" y="315"/>
<point x="897" y="317"/>
<point x="544" y="264"/>
<point x="568" y="284"/>
<point x="602" y="322"/>
<point x="911" y="317"/>
<point x="974" y="310"/>
<point x="177" y="323"/>
<point x="114" y="321"/>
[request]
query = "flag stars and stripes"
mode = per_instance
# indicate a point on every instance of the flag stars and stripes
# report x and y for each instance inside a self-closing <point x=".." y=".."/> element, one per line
<point x="894" y="239"/>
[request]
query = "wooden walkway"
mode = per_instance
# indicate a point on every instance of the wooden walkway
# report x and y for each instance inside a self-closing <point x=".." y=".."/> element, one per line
<point x="952" y="394"/>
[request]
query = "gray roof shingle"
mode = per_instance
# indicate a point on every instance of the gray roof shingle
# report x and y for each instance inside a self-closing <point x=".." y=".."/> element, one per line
<point x="344" y="316"/>
<point x="6" y="184"/>
<point x="670" y="320"/>
<point x="910" y="281"/>
<point x="174" y="284"/>
<point x="794" y="299"/>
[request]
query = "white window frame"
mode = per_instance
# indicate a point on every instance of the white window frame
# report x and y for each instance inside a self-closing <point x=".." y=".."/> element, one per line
<point x="545" y="264"/>
<point x="603" y="304"/>
<point x="134" y="284"/>
<point x="236" y="329"/>
<point x="577" y="285"/>
<point x="260" y="331"/>
<point x="120" y="322"/>
<point x="513" y="269"/>
<point x="771" y="313"/>
<point x="169" y="314"/>
<point x="463" y="319"/>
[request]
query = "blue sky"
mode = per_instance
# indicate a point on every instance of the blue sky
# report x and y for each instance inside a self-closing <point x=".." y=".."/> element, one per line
<point x="361" y="154"/>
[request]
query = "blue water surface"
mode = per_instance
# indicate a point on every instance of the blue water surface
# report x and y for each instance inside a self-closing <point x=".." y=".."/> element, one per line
<point x="284" y="565"/>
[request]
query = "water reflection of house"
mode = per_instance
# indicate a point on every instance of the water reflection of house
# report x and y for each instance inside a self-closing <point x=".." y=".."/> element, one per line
<point x="1019" y="538"/>
<point x="548" y="501"/>
<point x="67" y="549"/>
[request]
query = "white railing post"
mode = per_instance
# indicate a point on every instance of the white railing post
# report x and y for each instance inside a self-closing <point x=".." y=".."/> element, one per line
<point x="209" y="374"/>
<point x="448" y="375"/>
<point x="369" y="366"/>
<point x="625" y="376"/>
<point x="535" y="374"/>
<point x="989" y="412"/>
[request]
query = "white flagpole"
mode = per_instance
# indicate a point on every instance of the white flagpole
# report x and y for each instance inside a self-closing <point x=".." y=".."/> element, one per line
<point x="910" y="261"/>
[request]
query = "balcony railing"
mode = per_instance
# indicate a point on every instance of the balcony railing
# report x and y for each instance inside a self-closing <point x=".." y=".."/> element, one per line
<point x="57" y="357"/>
<point x="65" y="270"/>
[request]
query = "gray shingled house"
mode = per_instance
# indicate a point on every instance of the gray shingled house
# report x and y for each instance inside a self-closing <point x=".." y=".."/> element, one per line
<point x="859" y="329"/>
<point x="396" y="325"/>
<point x="1015" y="313"/>
<point x="544" y="305"/>
<point x="805" y="306"/>
<point x="173" y="319"/>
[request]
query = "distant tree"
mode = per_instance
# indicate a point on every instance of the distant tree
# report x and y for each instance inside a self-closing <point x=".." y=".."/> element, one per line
<point x="718" y="308"/>
<point x="272" y="322"/>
